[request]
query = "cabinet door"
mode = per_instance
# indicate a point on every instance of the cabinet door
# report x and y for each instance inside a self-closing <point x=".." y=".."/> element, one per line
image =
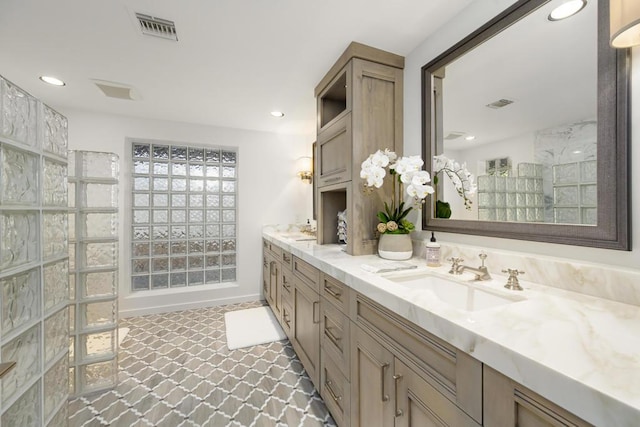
<point x="306" y="328"/>
<point x="334" y="153"/>
<point x="371" y="382"/>
<point x="509" y="404"/>
<point x="286" y="287"/>
<point x="273" y="296"/>
<point x="419" y="404"/>
<point x="286" y="320"/>
<point x="275" y="286"/>
<point x="335" y="390"/>
<point x="266" y="276"/>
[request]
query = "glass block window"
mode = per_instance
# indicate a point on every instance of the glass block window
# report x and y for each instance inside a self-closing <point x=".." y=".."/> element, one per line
<point x="184" y="210"/>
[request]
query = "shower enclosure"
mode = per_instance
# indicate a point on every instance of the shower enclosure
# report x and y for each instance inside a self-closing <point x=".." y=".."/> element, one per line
<point x="34" y="281"/>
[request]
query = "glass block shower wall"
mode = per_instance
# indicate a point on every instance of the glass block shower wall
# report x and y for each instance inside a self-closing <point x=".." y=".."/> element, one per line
<point x="93" y="268"/>
<point x="34" y="281"/>
<point x="184" y="215"/>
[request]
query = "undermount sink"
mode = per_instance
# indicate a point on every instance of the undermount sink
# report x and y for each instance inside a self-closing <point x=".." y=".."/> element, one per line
<point x="298" y="237"/>
<point x="468" y="297"/>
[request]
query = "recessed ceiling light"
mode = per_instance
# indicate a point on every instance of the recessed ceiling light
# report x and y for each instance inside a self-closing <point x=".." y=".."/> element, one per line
<point x="567" y="9"/>
<point x="52" y="81"/>
<point x="470" y="137"/>
<point x="577" y="152"/>
<point x="277" y="114"/>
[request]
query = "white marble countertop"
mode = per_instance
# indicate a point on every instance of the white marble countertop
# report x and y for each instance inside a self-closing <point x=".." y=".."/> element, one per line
<point x="579" y="351"/>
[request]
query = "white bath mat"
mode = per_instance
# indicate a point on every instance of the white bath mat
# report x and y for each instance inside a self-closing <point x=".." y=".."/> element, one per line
<point x="252" y="326"/>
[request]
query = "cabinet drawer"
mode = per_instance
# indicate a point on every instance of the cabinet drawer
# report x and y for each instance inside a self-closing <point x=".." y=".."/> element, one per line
<point x="307" y="273"/>
<point x="508" y="403"/>
<point x="452" y="372"/>
<point x="335" y="292"/>
<point x="286" y="318"/>
<point x="334" y="152"/>
<point x="287" y="260"/>
<point x="287" y="287"/>
<point x="272" y="248"/>
<point x="335" y="334"/>
<point x="335" y="389"/>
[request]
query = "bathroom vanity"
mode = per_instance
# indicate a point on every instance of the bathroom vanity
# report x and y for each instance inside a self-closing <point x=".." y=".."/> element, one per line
<point x="403" y="348"/>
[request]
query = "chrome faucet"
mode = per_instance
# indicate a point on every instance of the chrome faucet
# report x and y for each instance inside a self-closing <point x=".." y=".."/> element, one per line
<point x="482" y="273"/>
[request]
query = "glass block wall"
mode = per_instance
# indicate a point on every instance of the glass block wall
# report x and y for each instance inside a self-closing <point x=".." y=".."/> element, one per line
<point x="34" y="281"/>
<point x="93" y="268"/>
<point x="512" y="198"/>
<point x="184" y="215"/>
<point x="575" y="193"/>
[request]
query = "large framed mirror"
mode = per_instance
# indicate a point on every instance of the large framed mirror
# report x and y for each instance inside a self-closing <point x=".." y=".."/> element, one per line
<point x="537" y="109"/>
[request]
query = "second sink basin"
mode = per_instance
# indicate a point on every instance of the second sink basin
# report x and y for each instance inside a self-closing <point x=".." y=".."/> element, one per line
<point x="468" y="297"/>
<point x="298" y="237"/>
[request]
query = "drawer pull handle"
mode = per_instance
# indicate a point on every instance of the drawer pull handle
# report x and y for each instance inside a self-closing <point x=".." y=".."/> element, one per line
<point x="334" y="396"/>
<point x="6" y="367"/>
<point x="286" y="285"/>
<point x="286" y="258"/>
<point x="383" y="368"/>
<point x="334" y="339"/>
<point x="331" y="292"/>
<point x="335" y="178"/>
<point x="315" y="303"/>
<point x="396" y="379"/>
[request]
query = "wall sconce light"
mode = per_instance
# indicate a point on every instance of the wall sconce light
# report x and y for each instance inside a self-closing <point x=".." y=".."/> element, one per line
<point x="304" y="167"/>
<point x="625" y="23"/>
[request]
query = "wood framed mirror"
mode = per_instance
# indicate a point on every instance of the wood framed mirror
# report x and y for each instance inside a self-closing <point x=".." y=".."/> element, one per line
<point x="546" y="103"/>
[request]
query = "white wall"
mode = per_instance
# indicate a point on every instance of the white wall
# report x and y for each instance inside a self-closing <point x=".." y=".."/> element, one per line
<point x="268" y="193"/>
<point x="467" y="21"/>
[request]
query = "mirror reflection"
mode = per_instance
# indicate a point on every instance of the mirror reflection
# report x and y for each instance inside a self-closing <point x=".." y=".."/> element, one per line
<point x="520" y="110"/>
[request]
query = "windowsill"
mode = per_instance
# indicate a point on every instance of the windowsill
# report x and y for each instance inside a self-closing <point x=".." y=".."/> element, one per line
<point x="183" y="290"/>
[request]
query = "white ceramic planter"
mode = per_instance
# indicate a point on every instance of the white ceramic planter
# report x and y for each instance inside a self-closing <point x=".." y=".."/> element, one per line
<point x="395" y="246"/>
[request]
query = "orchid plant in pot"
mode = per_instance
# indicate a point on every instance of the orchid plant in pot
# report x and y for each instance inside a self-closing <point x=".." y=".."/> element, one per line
<point x="408" y="179"/>
<point x="461" y="178"/>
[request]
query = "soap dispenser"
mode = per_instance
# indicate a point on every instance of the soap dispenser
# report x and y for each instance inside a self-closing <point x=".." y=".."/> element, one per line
<point x="433" y="252"/>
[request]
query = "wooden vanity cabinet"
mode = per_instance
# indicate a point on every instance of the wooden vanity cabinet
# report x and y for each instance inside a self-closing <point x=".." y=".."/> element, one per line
<point x="509" y="404"/>
<point x="305" y="334"/>
<point x="374" y="368"/>
<point x="272" y="276"/>
<point x="449" y="377"/>
<point x="277" y="283"/>
<point x="359" y="110"/>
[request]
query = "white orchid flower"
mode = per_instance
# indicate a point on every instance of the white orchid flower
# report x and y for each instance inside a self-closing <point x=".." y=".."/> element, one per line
<point x="379" y="158"/>
<point x="390" y="154"/>
<point x="374" y="176"/>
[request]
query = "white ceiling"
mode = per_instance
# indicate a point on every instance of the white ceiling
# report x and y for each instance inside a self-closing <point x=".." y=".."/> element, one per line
<point x="549" y="70"/>
<point x="235" y="60"/>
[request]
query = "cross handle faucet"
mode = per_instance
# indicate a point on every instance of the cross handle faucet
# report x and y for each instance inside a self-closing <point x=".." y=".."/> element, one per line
<point x="482" y="273"/>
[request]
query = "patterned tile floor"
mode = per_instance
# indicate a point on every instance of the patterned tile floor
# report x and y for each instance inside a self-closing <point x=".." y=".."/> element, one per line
<point x="175" y="370"/>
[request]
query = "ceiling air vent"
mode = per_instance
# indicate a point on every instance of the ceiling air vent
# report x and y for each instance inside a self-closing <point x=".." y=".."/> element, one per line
<point x="117" y="90"/>
<point x="157" y="27"/>
<point x="500" y="103"/>
<point x="453" y="135"/>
